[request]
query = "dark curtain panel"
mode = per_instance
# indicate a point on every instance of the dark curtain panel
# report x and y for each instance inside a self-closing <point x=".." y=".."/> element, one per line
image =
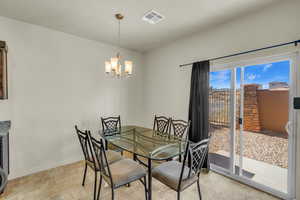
<point x="198" y="109"/>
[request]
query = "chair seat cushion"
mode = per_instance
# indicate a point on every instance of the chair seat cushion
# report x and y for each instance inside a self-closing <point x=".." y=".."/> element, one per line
<point x="125" y="171"/>
<point x="169" y="174"/>
<point x="112" y="156"/>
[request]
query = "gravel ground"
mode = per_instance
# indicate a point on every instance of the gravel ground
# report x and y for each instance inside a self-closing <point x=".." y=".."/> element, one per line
<point x="267" y="146"/>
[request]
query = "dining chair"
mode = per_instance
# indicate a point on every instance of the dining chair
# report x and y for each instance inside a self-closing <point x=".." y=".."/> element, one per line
<point x="161" y="125"/>
<point x="110" y="125"/>
<point x="179" y="176"/>
<point x="179" y="130"/>
<point x="88" y="156"/>
<point x="119" y="173"/>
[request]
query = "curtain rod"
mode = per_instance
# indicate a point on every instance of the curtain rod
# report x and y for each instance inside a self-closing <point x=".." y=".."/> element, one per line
<point x="246" y="52"/>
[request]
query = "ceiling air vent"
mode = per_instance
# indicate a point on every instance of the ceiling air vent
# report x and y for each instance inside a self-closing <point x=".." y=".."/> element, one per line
<point x="153" y="17"/>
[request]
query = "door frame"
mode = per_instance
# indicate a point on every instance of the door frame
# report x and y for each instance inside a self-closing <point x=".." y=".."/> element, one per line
<point x="294" y="59"/>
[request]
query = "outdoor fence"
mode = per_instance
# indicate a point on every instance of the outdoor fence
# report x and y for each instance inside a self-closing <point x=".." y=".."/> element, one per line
<point x="262" y="107"/>
<point x="219" y="107"/>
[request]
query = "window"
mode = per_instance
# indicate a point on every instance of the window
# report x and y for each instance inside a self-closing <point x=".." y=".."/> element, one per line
<point x="3" y="70"/>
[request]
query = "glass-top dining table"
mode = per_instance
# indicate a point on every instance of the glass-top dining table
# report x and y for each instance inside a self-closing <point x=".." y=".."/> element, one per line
<point x="146" y="143"/>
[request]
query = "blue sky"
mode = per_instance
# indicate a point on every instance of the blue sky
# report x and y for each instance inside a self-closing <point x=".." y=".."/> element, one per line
<point x="259" y="74"/>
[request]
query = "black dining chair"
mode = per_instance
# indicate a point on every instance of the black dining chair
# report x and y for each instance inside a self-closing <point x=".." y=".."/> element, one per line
<point x="111" y="125"/>
<point x="179" y="130"/>
<point x="179" y="176"/>
<point x="161" y="125"/>
<point x="119" y="173"/>
<point x="88" y="156"/>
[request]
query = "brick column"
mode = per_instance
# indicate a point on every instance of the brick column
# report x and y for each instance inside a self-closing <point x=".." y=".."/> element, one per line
<point x="251" y="115"/>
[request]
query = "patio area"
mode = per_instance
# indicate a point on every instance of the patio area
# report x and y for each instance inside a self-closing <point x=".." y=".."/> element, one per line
<point x="268" y="147"/>
<point x="265" y="156"/>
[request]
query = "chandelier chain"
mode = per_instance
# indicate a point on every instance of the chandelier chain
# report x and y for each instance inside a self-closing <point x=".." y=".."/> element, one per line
<point x="119" y="33"/>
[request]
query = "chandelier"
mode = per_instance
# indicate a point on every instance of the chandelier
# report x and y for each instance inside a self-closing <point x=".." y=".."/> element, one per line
<point x="114" y="67"/>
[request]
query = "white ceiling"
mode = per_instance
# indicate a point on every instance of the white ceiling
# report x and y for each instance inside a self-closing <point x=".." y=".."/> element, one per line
<point x="94" y="19"/>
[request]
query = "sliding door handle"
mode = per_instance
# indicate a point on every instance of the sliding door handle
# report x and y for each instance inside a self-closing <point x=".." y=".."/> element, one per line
<point x="288" y="127"/>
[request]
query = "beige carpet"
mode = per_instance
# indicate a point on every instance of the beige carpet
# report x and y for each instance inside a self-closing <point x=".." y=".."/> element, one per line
<point x="64" y="183"/>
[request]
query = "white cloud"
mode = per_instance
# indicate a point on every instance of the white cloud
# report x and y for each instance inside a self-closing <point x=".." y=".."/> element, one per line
<point x="265" y="86"/>
<point x="251" y="77"/>
<point x="266" y="67"/>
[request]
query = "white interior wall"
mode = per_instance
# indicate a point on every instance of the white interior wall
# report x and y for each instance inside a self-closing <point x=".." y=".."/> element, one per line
<point x="57" y="80"/>
<point x="166" y="87"/>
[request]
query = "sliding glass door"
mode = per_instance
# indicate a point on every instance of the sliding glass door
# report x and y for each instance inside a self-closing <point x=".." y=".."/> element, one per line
<point x="219" y="118"/>
<point x="252" y="123"/>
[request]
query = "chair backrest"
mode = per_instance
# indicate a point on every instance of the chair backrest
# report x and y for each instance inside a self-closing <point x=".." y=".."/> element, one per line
<point x="179" y="128"/>
<point x="194" y="158"/>
<point x="83" y="140"/>
<point x="111" y="124"/>
<point x="99" y="156"/>
<point x="161" y="124"/>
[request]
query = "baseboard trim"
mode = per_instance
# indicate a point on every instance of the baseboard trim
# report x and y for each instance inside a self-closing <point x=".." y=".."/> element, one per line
<point x="41" y="168"/>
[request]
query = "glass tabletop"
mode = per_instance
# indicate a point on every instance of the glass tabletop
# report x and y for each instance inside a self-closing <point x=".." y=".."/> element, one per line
<point x="145" y="142"/>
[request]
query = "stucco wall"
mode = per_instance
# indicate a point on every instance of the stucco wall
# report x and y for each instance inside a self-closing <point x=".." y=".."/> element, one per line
<point x="273" y="106"/>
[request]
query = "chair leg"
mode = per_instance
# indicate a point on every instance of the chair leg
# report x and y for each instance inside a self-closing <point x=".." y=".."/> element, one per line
<point x="145" y="186"/>
<point x="180" y="158"/>
<point x="84" y="174"/>
<point x="106" y="145"/>
<point x="112" y="194"/>
<point x="178" y="195"/>
<point x="199" y="191"/>
<point x="95" y="185"/>
<point x="99" y="188"/>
